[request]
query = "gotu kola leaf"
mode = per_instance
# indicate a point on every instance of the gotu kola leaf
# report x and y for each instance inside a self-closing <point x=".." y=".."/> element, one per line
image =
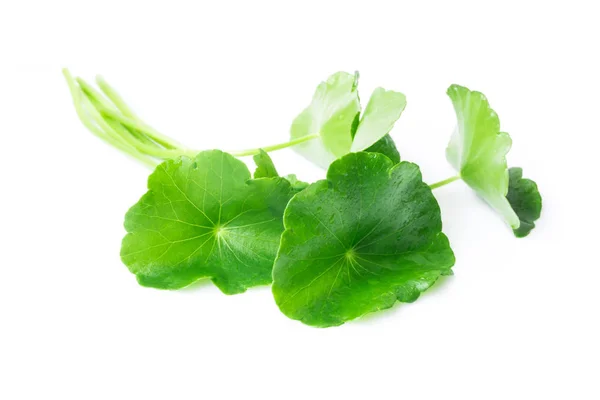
<point x="525" y="199"/>
<point x="367" y="236"/>
<point x="205" y="217"/>
<point x="478" y="150"/>
<point x="333" y="117"/>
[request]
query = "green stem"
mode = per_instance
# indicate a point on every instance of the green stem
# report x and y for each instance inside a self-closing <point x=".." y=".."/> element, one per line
<point x="250" y="152"/>
<point x="100" y="103"/>
<point x="89" y="122"/>
<point x="444" y="182"/>
<point x="108" y="116"/>
<point x="150" y="149"/>
<point x="129" y="118"/>
<point x="115" y="97"/>
<point x="142" y="128"/>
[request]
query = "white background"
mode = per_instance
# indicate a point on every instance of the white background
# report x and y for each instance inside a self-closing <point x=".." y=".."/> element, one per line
<point x="519" y="320"/>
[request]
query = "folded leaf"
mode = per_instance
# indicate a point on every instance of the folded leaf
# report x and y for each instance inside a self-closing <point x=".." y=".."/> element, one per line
<point x="525" y="199"/>
<point x="366" y="237"/>
<point x="478" y="150"/>
<point x="334" y="116"/>
<point x="205" y="218"/>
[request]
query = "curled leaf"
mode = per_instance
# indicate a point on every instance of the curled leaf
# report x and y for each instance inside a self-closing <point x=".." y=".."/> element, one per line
<point x="478" y="150"/>
<point x="525" y="199"/>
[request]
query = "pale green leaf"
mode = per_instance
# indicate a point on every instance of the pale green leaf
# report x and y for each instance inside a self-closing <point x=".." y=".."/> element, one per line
<point x="378" y="118"/>
<point x="330" y="115"/>
<point x="478" y="150"/>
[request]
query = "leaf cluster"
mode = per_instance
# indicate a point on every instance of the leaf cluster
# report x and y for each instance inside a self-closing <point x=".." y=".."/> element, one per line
<point x="365" y="237"/>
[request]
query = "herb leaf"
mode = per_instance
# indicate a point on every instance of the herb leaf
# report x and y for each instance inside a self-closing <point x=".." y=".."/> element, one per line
<point x="330" y="116"/>
<point x="264" y="165"/>
<point x="525" y="199"/>
<point x="378" y="119"/>
<point x="205" y="217"/>
<point x="366" y="237"/>
<point x="478" y="150"/>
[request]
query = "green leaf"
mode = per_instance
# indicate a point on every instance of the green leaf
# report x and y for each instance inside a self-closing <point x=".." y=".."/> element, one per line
<point x="387" y="147"/>
<point x="297" y="185"/>
<point x="366" y="237"/>
<point x="378" y="119"/>
<point x="330" y="116"/>
<point x="205" y="218"/>
<point x="525" y="199"/>
<point x="264" y="165"/>
<point x="478" y="150"/>
<point x="334" y="117"/>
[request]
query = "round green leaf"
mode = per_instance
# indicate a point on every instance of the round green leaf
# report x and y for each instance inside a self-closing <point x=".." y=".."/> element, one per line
<point x="205" y="218"/>
<point x="366" y="237"/>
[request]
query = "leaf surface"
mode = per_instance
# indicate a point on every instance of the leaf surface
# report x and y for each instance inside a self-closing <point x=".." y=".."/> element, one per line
<point x="205" y="217"/>
<point x="366" y="237"/>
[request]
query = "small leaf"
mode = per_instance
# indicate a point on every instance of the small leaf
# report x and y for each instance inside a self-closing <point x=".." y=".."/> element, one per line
<point x="478" y="150"/>
<point x="264" y="165"/>
<point x="330" y="115"/>
<point x="366" y="237"/>
<point x="525" y="199"/>
<point x="387" y="147"/>
<point x="205" y="218"/>
<point x="378" y="119"/>
<point x="297" y="185"/>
